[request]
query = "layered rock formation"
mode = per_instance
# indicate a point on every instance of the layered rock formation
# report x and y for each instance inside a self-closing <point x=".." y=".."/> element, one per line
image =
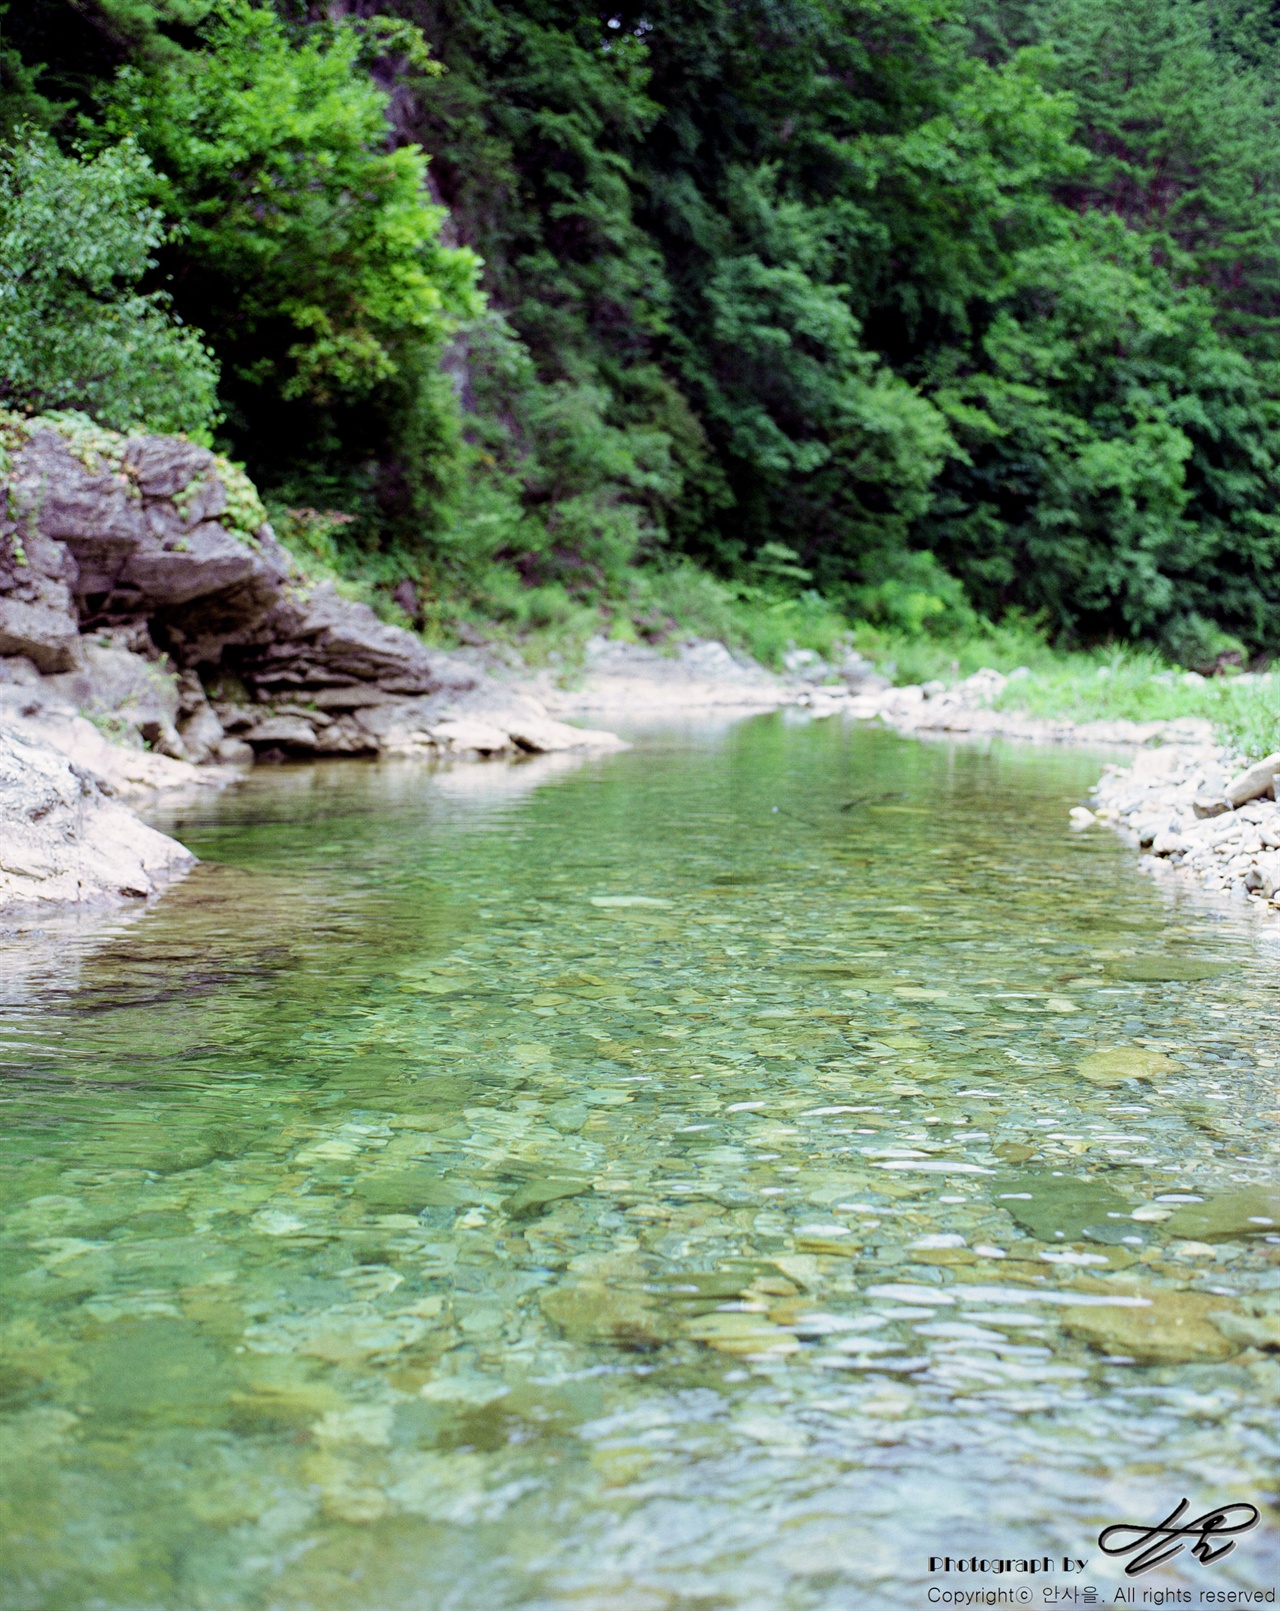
<point x="141" y="584"/>
<point x="150" y="625"/>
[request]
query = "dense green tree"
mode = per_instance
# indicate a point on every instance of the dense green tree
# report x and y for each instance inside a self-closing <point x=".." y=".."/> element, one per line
<point x="728" y="216"/>
<point x="1180" y="134"/>
<point x="310" y="252"/>
<point x="883" y="296"/>
<point x="76" y="238"/>
<point x="1120" y="457"/>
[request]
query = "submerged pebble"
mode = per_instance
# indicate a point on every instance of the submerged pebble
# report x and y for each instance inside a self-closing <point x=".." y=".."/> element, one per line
<point x="880" y="1149"/>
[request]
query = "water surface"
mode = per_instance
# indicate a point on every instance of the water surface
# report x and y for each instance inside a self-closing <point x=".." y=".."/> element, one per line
<point x="653" y="1183"/>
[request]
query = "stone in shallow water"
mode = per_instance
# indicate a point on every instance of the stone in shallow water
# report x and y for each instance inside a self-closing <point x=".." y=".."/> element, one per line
<point x="529" y="1200"/>
<point x="342" y="1335"/>
<point x="277" y="1222"/>
<point x="157" y="1371"/>
<point x="740" y="1333"/>
<point x="1251" y="1331"/>
<point x="628" y="900"/>
<point x="1047" y="1204"/>
<point x="1165" y="970"/>
<point x="1252" y="1212"/>
<point x="274" y="1406"/>
<point x="369" y="1424"/>
<point x="835" y="1239"/>
<point x="692" y="1286"/>
<point x="1176" y="1329"/>
<point x="593" y="1312"/>
<point x="1115" y="1233"/>
<point x="1117" y="1063"/>
<point x="568" y="1117"/>
<point x="411" y="1189"/>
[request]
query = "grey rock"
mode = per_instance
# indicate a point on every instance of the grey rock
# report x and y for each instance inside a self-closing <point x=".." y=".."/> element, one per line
<point x="141" y="543"/>
<point x="805" y="663"/>
<point x="17" y="671"/>
<point x="857" y="672"/>
<point x="206" y="559"/>
<point x="233" y="752"/>
<point x="201" y="734"/>
<point x="163" y="466"/>
<point x="356" y="696"/>
<point x="324" y="641"/>
<point x="317" y="718"/>
<point x="233" y="626"/>
<point x="1254" y="781"/>
<point x="191" y="695"/>
<point x="124" y="572"/>
<point x="237" y="718"/>
<point x="127" y="769"/>
<point x="165" y="739"/>
<point x="37" y="617"/>
<point x="1267" y="868"/>
<point x="139" y="698"/>
<point x="198" y="725"/>
<point x="281" y="732"/>
<point x="94" y="507"/>
<point x="66" y="839"/>
<point x="1210" y="805"/>
<point x="113" y="680"/>
<point x="47" y="637"/>
<point x="345" y="737"/>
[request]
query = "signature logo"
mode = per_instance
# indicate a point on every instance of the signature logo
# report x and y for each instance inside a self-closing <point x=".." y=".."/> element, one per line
<point x="1155" y="1545"/>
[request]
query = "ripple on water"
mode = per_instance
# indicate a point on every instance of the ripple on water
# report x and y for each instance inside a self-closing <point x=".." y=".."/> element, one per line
<point x="608" y="1190"/>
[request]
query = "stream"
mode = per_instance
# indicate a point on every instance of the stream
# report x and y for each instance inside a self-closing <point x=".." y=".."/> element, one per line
<point x="699" y="1178"/>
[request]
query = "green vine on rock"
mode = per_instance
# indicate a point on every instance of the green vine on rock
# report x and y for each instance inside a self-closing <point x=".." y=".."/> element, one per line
<point x="99" y="449"/>
<point x="244" y="513"/>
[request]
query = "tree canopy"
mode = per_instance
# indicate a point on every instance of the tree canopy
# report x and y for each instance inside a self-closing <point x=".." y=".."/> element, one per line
<point x="954" y="305"/>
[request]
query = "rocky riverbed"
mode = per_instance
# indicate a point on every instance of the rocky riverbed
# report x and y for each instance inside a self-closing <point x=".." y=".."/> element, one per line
<point x="1188" y="802"/>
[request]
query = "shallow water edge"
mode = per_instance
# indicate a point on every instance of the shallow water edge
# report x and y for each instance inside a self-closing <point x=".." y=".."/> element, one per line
<point x="729" y="1172"/>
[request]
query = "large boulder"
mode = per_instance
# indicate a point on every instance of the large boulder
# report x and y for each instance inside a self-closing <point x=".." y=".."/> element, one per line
<point x="134" y="697"/>
<point x="64" y="838"/>
<point x="486" y="721"/>
<point x="157" y="530"/>
<point x="49" y="638"/>
<point x="142" y="527"/>
<point x="37" y="616"/>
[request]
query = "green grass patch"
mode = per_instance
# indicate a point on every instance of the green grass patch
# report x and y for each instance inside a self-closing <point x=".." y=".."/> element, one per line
<point x="1103" y="684"/>
<point x="1136" y="685"/>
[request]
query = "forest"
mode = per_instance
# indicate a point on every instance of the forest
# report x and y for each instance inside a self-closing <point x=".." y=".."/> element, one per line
<point x="538" y="321"/>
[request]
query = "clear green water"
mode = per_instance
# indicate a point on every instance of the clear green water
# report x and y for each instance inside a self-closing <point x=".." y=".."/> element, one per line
<point x="387" y="1224"/>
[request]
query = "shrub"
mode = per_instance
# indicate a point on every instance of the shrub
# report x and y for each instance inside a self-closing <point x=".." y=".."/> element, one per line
<point x="77" y="235"/>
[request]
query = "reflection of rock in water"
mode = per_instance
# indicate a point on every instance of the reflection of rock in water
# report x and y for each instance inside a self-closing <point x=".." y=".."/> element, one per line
<point x="219" y="928"/>
<point x="499" y="782"/>
<point x="45" y="951"/>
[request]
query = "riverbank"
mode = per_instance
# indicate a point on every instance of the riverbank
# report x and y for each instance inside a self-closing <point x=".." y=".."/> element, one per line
<point x="292" y="670"/>
<point x="1199" y="816"/>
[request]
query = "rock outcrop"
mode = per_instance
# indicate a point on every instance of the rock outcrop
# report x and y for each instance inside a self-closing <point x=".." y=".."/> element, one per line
<point x="141" y="583"/>
<point x="63" y="836"/>
<point x="154" y="635"/>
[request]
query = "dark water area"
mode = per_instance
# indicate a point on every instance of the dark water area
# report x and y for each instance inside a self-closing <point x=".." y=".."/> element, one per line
<point x="725" y="1174"/>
